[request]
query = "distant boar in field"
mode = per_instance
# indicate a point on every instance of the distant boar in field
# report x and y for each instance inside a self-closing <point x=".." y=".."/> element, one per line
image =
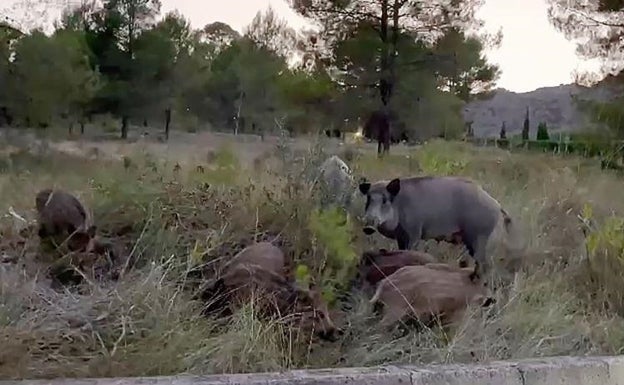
<point x="64" y="218"/>
<point x="377" y="127"/>
<point x="337" y="182"/>
<point x="448" y="208"/>
<point x="429" y="291"/>
<point x="377" y="265"/>
<point x="257" y="272"/>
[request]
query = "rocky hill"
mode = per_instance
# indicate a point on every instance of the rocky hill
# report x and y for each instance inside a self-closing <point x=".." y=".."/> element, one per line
<point x="553" y="105"/>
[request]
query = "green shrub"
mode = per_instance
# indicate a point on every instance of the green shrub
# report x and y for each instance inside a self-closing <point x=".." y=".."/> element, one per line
<point x="434" y="162"/>
<point x="542" y="132"/>
<point x="331" y="230"/>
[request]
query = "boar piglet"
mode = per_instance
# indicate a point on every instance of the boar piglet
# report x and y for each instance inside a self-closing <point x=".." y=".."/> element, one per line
<point x="257" y="274"/>
<point x="377" y="265"/>
<point x="63" y="218"/>
<point x="429" y="291"/>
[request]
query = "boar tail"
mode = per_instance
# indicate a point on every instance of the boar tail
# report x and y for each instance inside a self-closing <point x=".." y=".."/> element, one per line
<point x="515" y="241"/>
<point x="506" y="219"/>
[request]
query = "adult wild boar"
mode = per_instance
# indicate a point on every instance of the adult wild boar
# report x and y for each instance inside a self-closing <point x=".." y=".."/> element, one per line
<point x="377" y="265"/>
<point x="63" y="217"/>
<point x="257" y="272"/>
<point x="448" y="208"/>
<point x="336" y="182"/>
<point x="377" y="127"/>
<point x="429" y="291"/>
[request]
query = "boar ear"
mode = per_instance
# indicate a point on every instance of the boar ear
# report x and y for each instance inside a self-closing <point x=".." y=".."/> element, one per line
<point x="394" y="186"/>
<point x="364" y="187"/>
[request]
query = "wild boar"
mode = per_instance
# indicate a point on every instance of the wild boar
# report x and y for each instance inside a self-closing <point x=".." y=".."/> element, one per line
<point x="257" y="272"/>
<point x="263" y="254"/>
<point x="64" y="218"/>
<point x="448" y="208"/>
<point x="376" y="265"/>
<point x="429" y="291"/>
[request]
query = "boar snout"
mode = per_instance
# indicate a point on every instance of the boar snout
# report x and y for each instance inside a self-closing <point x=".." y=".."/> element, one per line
<point x="368" y="230"/>
<point x="488" y="302"/>
<point x="331" y="335"/>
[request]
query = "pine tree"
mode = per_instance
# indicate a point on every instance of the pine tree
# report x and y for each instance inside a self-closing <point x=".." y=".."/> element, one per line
<point x="542" y="132"/>
<point x="503" y="131"/>
<point x="525" y="128"/>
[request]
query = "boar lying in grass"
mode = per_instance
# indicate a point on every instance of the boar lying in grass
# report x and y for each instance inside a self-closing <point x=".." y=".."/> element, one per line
<point x="430" y="291"/>
<point x="377" y="265"/>
<point x="257" y="273"/>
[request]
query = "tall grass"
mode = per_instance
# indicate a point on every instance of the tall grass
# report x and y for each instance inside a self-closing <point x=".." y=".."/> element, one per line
<point x="178" y="226"/>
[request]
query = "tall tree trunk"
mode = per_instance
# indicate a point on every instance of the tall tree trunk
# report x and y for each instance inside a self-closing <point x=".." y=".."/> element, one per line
<point x="167" y="122"/>
<point x="71" y="127"/>
<point x="82" y="124"/>
<point x="384" y="64"/>
<point x="238" y="112"/>
<point x="124" y="127"/>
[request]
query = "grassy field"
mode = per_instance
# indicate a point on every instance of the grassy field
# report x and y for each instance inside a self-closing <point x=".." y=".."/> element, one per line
<point x="568" y="297"/>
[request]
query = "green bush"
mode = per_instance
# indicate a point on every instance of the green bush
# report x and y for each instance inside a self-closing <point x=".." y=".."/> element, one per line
<point x="331" y="230"/>
<point x="542" y="132"/>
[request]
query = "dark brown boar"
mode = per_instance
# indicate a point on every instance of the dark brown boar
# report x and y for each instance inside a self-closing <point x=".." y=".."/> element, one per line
<point x="257" y="273"/>
<point x="63" y="218"/>
<point x="377" y="265"/>
<point x="263" y="254"/>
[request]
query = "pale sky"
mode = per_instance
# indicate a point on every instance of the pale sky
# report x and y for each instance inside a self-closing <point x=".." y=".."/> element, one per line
<point x="532" y="55"/>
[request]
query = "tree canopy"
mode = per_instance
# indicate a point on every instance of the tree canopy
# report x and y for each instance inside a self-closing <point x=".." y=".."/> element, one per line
<point x="421" y="60"/>
<point x="598" y="28"/>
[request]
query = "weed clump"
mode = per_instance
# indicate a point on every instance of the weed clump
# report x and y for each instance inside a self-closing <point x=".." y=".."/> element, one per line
<point x="332" y="233"/>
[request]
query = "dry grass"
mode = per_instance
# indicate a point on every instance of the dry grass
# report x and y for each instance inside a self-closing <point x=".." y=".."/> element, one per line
<point x="568" y="297"/>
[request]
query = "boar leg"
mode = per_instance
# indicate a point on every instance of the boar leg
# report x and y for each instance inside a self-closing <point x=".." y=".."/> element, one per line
<point x="392" y="315"/>
<point x="476" y="246"/>
<point x="406" y="241"/>
<point x="403" y="243"/>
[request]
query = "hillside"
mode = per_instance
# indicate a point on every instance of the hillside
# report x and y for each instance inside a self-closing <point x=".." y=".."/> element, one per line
<point x="552" y="105"/>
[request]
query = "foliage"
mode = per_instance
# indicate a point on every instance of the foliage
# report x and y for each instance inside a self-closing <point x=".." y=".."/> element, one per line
<point x="526" y="126"/>
<point x="435" y="162"/>
<point x="597" y="28"/>
<point x="542" y="131"/>
<point x="331" y="228"/>
<point x="117" y="58"/>
<point x="596" y="25"/>
<point x="605" y="249"/>
<point x="382" y="58"/>
<point x="468" y="72"/>
<point x="36" y="57"/>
